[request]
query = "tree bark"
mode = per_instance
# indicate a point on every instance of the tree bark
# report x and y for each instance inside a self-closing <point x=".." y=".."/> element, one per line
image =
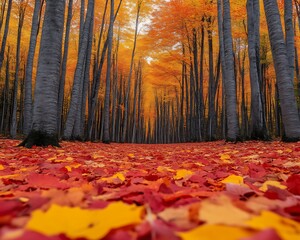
<point x="29" y="67"/>
<point x="106" y="124"/>
<point x="13" y="128"/>
<point x="287" y="99"/>
<point x="44" y="127"/>
<point x="3" y="44"/>
<point x="78" y="76"/>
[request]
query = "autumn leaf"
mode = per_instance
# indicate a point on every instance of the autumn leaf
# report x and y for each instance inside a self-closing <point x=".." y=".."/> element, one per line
<point x="233" y="179"/>
<point x="214" y="232"/>
<point x="115" y="179"/>
<point x="182" y="173"/>
<point x="84" y="223"/>
<point x="286" y="228"/>
<point x="265" y="185"/>
<point x="220" y="210"/>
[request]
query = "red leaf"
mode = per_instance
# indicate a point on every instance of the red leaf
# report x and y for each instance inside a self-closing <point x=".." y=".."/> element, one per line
<point x="293" y="184"/>
<point x="45" y="181"/>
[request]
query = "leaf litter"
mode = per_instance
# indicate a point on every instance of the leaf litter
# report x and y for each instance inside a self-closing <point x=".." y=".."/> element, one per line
<point x="215" y="190"/>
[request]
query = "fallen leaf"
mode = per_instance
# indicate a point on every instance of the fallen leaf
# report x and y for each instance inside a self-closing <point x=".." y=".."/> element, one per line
<point x="220" y="210"/>
<point x="233" y="179"/>
<point x="215" y="232"/>
<point x="81" y="223"/>
<point x="182" y="173"/>
<point x="286" y="228"/>
<point x="277" y="184"/>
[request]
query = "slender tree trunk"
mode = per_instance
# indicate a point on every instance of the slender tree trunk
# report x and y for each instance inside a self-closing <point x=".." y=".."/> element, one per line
<point x="5" y="103"/>
<point x="44" y="127"/>
<point x="258" y="125"/>
<point x="3" y="44"/>
<point x="229" y="76"/>
<point x="13" y="128"/>
<point x="124" y="134"/>
<point x="106" y="123"/>
<point x="289" y="35"/>
<point x="29" y="67"/>
<point x="63" y="72"/>
<point x="288" y="104"/>
<point x="79" y="73"/>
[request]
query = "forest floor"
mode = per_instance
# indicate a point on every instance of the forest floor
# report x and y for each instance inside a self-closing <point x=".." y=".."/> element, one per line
<point x="207" y="191"/>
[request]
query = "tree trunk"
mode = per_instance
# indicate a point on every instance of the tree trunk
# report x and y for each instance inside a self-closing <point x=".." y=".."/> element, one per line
<point x="63" y="72"/>
<point x="258" y="126"/>
<point x="78" y="76"/>
<point x="29" y="67"/>
<point x="287" y="99"/>
<point x="106" y="124"/>
<point x="44" y="127"/>
<point x="3" y="44"/>
<point x="289" y="35"/>
<point x="13" y="128"/>
<point x="125" y="122"/>
<point x="229" y="76"/>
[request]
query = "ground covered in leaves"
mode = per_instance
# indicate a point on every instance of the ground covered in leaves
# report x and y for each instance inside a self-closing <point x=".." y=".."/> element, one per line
<point x="206" y="191"/>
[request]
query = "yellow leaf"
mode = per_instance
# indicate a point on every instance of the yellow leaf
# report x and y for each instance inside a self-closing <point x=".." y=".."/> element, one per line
<point x="162" y="169"/>
<point x="182" y="173"/>
<point x="225" y="158"/>
<point x="265" y="185"/>
<point x="1" y="167"/>
<point x="130" y="155"/>
<point x="84" y="223"/>
<point x="221" y="210"/>
<point x="214" y="232"/>
<point x="233" y="179"/>
<point x="117" y="178"/>
<point x="70" y="167"/>
<point x="286" y="228"/>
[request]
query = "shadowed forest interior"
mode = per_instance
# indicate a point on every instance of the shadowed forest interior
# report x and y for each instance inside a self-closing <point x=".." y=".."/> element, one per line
<point x="149" y="71"/>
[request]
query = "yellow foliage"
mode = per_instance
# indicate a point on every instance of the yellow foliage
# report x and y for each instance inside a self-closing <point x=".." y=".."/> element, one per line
<point x="215" y="232"/>
<point x="233" y="179"/>
<point x="265" y="185"/>
<point x="286" y="228"/>
<point x="116" y="177"/>
<point x="221" y="210"/>
<point x="84" y="223"/>
<point x="182" y="173"/>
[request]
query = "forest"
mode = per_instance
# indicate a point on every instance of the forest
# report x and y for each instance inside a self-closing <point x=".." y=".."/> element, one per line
<point x="149" y="120"/>
<point x="144" y="71"/>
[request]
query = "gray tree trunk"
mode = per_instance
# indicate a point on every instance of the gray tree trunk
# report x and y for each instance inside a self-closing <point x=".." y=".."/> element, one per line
<point x="3" y="44"/>
<point x="229" y="76"/>
<point x="290" y="117"/>
<point x="44" y="126"/>
<point x="78" y="76"/>
<point x="29" y="67"/>
<point x="64" y="68"/>
<point x="106" y="111"/>
<point x="258" y="127"/>
<point x="289" y="35"/>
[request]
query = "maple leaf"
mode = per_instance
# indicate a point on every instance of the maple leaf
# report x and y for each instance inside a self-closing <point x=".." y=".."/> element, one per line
<point x="214" y="232"/>
<point x="233" y="179"/>
<point x="277" y="184"/>
<point x="220" y="210"/>
<point x="286" y="228"/>
<point x="182" y="173"/>
<point x="83" y="223"/>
